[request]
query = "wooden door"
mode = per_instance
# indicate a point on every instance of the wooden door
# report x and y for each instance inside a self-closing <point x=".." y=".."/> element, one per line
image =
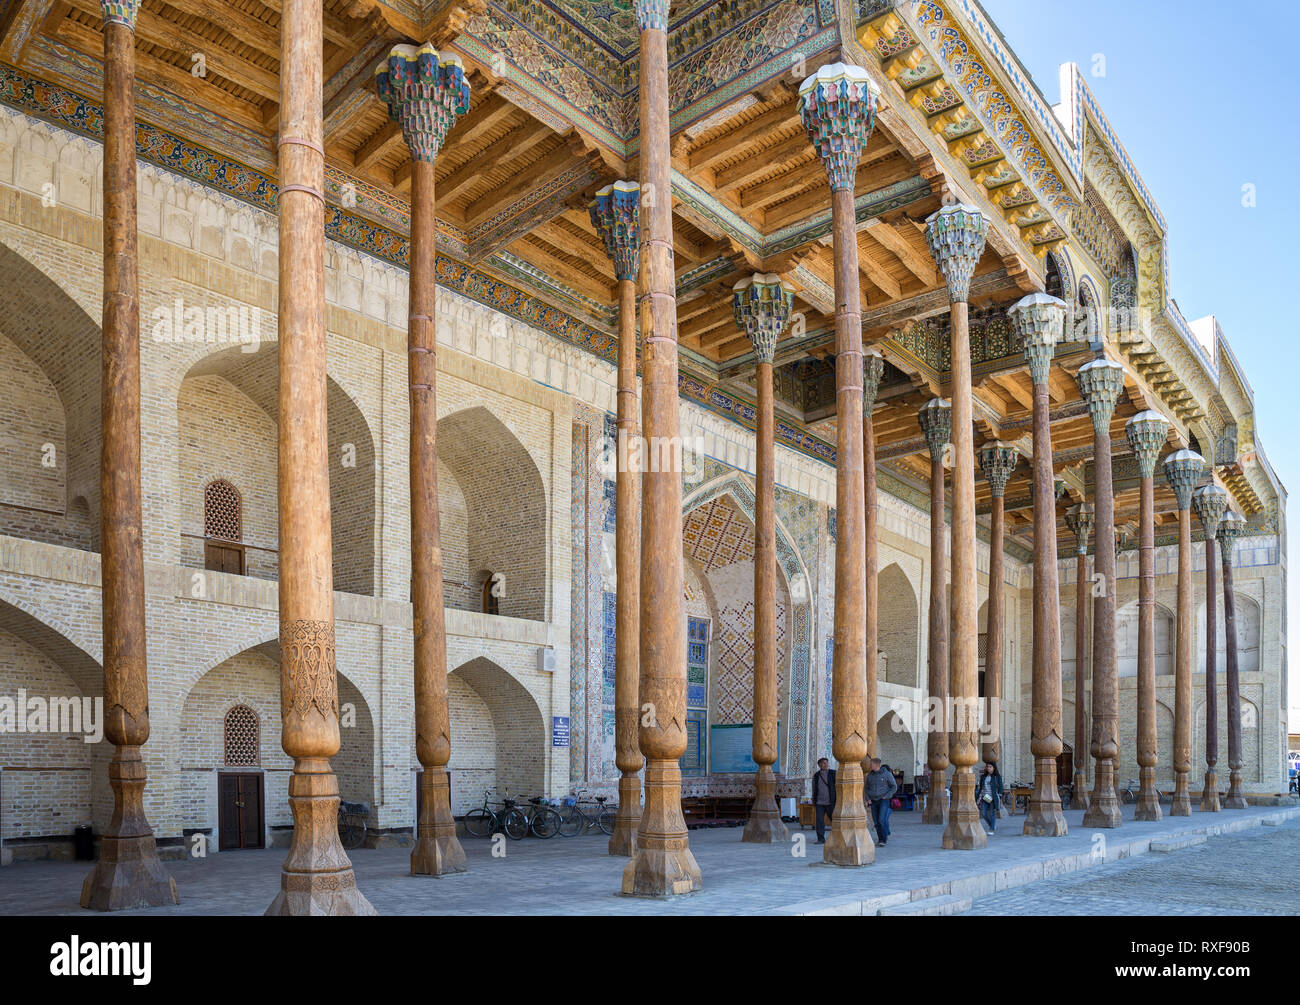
<point x="222" y="556"/>
<point x="239" y="817"/>
<point x="1065" y="766"/>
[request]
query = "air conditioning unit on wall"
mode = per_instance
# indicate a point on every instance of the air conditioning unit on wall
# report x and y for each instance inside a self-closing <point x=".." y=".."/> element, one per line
<point x="546" y="660"/>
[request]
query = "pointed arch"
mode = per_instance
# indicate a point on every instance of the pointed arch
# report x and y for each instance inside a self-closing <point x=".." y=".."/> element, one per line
<point x="799" y="689"/>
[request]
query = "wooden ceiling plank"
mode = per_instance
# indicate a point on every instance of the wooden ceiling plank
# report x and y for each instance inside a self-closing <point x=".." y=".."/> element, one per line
<point x="534" y="175"/>
<point x="562" y="270"/>
<point x="732" y="142"/>
<point x="251" y="31"/>
<point x="515" y="143"/>
<point x="377" y="145"/>
<point x="914" y="260"/>
<point x="762" y="161"/>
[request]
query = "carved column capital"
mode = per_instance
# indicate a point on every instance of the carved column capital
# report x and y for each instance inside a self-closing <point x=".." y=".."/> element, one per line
<point x="616" y="215"/>
<point x="1209" y="503"/>
<point x="997" y="461"/>
<point x="426" y="92"/>
<point x="1100" y="383"/>
<point x="873" y="368"/>
<point x="838" y="106"/>
<point x="935" y="418"/>
<point x="652" y="15"/>
<point x="1080" y="518"/>
<point x="120" y="12"/>
<point x="1183" y="469"/>
<point x="1147" y="432"/>
<point x="761" y="304"/>
<point x="1038" y="320"/>
<point x="1232" y="525"/>
<point x="956" y="236"/>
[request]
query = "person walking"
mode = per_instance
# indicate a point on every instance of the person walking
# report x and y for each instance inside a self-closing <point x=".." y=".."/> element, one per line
<point x="880" y="789"/>
<point x="989" y="794"/>
<point x="823" y="796"/>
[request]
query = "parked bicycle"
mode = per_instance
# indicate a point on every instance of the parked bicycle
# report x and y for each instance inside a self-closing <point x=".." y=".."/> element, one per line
<point x="544" y="821"/>
<point x="508" y="818"/>
<point x="352" y="824"/>
<point x="1129" y="794"/>
<point x="575" y="819"/>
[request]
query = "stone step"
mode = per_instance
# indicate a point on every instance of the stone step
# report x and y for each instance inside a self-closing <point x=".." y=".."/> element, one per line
<point x="929" y="907"/>
<point x="1177" y="843"/>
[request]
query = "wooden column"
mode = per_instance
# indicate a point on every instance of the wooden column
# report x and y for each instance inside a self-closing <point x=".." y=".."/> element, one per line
<point x="838" y="107"/>
<point x="956" y="238"/>
<point x="662" y="864"/>
<point x="935" y="418"/>
<point x="873" y="367"/>
<point x="1146" y="433"/>
<point x="1079" y="519"/>
<point x="1100" y="383"/>
<point x="128" y="873"/>
<point x="316" y="877"/>
<point x="1210" y="502"/>
<point x="1231" y="527"/>
<point x="762" y="305"/>
<point x="1183" y="469"/>
<point x="426" y="92"/>
<point x="997" y="461"/>
<point x="1039" y="320"/>
<point x="616" y="215"/>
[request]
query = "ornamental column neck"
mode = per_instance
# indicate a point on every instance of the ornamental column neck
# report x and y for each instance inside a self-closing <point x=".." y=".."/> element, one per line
<point x="121" y="12"/>
<point x="1080" y="518"/>
<point x="935" y="420"/>
<point x="1183" y="469"/>
<point x="426" y="92"/>
<point x="837" y="106"/>
<point x="616" y="215"/>
<point x="956" y="236"/>
<point x="998" y="460"/>
<point x="761" y="305"/>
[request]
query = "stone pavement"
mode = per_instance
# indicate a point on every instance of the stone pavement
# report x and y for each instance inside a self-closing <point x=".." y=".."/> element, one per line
<point x="1252" y="872"/>
<point x="574" y="876"/>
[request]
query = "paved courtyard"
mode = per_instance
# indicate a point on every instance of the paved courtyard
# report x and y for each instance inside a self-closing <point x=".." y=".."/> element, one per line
<point x="1087" y="872"/>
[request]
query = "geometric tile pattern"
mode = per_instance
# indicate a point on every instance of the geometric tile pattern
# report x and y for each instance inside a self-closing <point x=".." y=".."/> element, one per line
<point x="717" y="535"/>
<point x="733" y="686"/>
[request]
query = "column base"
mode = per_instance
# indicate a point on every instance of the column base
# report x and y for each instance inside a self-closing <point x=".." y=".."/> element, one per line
<point x="1044" y="818"/>
<point x="1210" y="793"/>
<point x="765" y="825"/>
<point x="849" y="842"/>
<point x="317" y="877"/>
<point x="628" y="815"/>
<point x="964" y="832"/>
<point x="437" y="850"/>
<point x="1182" y="801"/>
<point x="1080" y="800"/>
<point x="1103" y="810"/>
<point x="662" y="864"/>
<point x="1148" y="800"/>
<point x="129" y="873"/>
<point x="936" y="802"/>
<point x="1236" y="797"/>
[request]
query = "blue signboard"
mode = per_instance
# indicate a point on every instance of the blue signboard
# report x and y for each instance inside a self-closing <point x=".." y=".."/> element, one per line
<point x="731" y="749"/>
<point x="559" y="731"/>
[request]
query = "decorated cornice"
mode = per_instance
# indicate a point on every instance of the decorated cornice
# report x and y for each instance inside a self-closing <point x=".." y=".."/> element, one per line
<point x="580" y="58"/>
<point x="953" y="70"/>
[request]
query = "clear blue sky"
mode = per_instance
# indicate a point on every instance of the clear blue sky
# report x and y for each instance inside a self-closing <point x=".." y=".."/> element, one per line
<point x="1200" y="96"/>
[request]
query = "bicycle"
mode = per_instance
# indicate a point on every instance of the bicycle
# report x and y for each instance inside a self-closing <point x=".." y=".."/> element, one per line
<point x="1132" y="788"/>
<point x="575" y="820"/>
<point x="485" y="821"/>
<point x="1066" y="792"/>
<point x="352" y="824"/>
<point x="544" y="821"/>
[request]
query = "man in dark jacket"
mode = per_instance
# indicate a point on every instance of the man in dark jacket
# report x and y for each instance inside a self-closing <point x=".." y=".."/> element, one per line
<point x="880" y="789"/>
<point x="823" y="796"/>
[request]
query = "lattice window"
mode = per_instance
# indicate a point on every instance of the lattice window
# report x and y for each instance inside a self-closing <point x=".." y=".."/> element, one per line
<point x="222" y="511"/>
<point x="243" y="743"/>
